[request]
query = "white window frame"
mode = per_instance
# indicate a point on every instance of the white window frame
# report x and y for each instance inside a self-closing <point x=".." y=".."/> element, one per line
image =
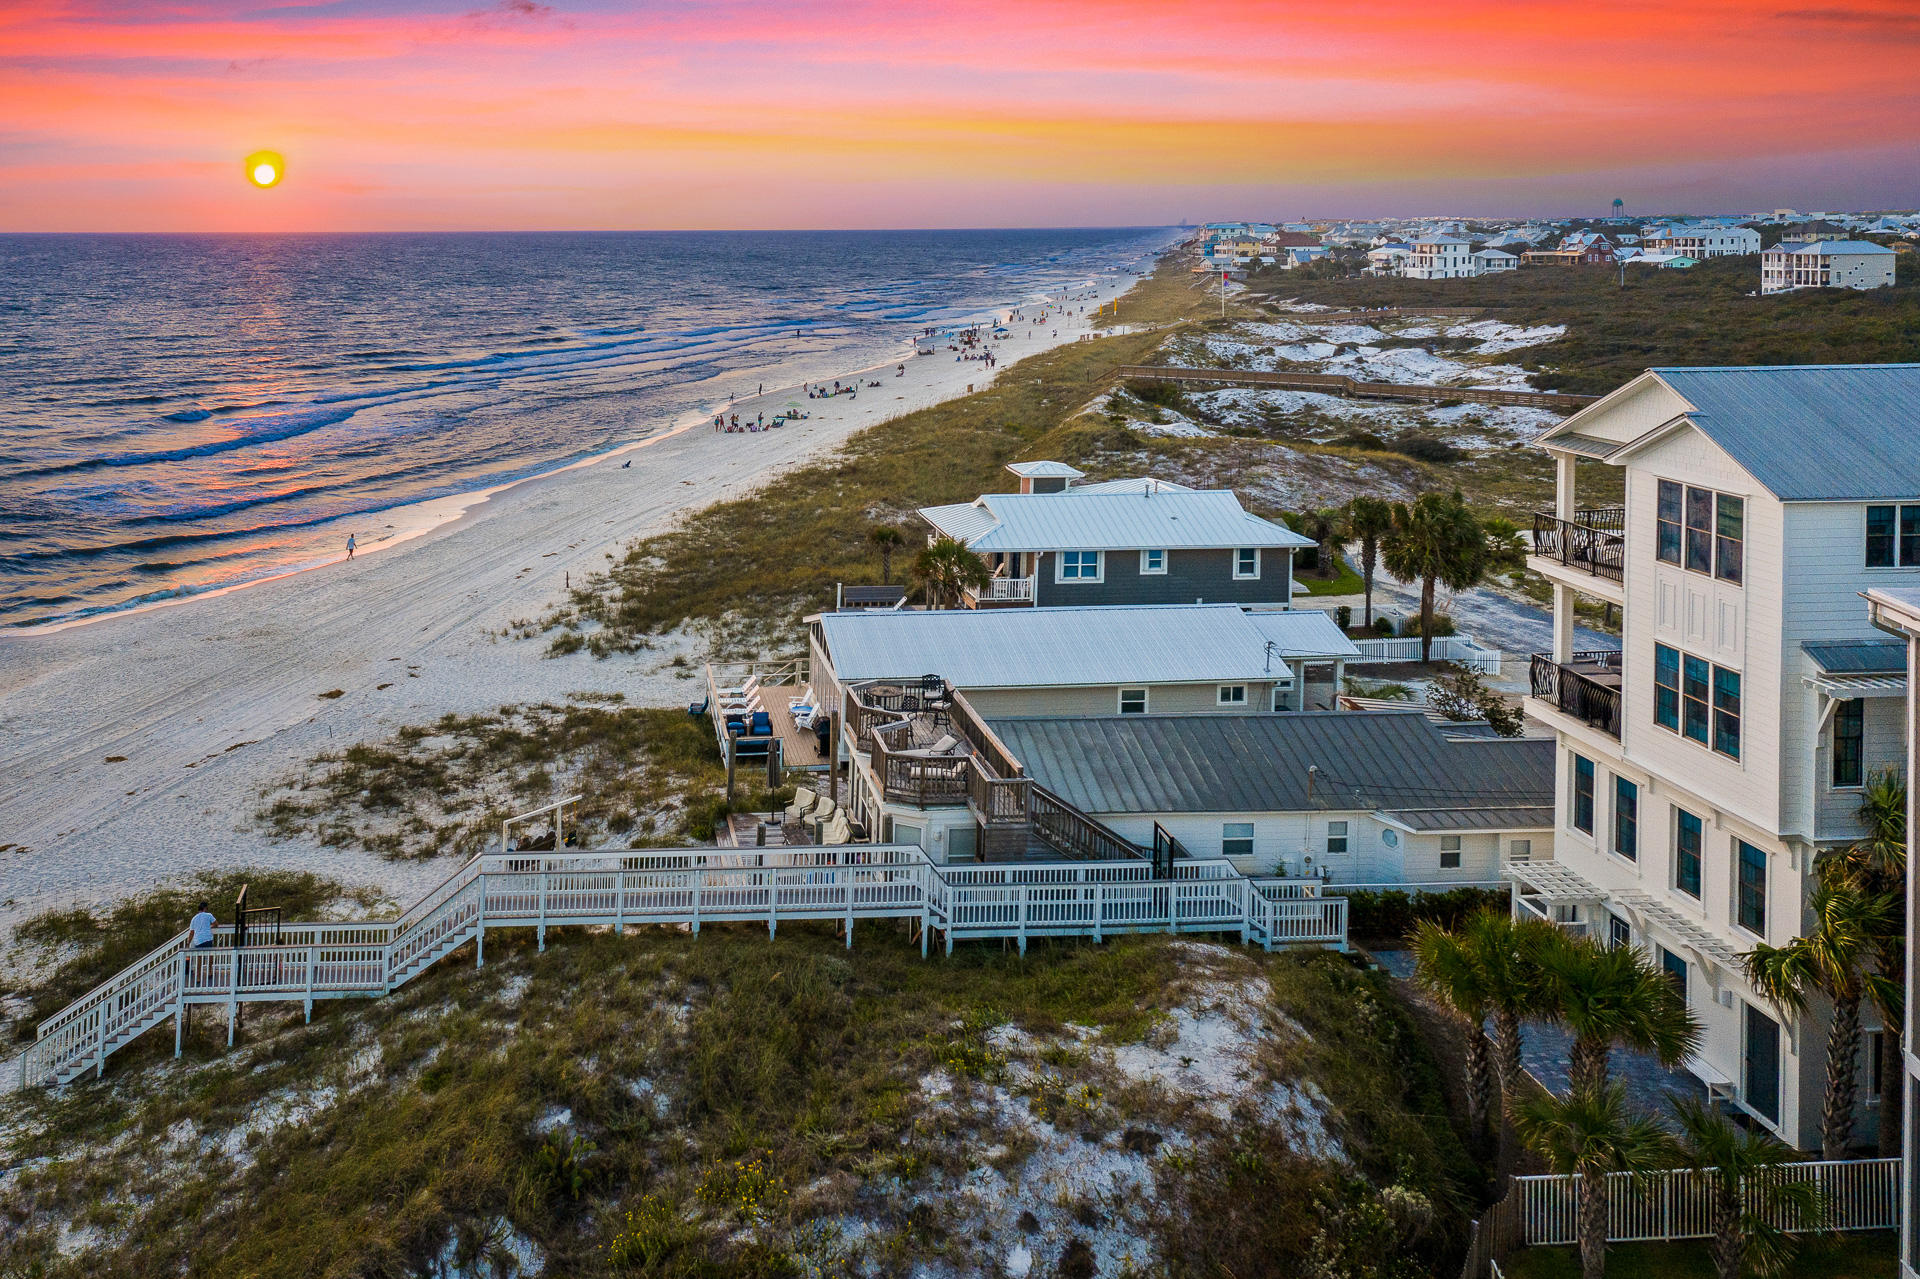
<point x="1338" y="830"/>
<point x="1224" y="697"/>
<point x="1239" y="576"/>
<point x="1146" y="566"/>
<point x="1145" y="700"/>
<point x="1060" y="567"/>
<point x="1450" y="846"/>
<point x="1226" y="838"/>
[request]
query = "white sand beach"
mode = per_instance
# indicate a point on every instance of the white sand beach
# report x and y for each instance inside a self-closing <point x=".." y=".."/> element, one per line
<point x="211" y="699"/>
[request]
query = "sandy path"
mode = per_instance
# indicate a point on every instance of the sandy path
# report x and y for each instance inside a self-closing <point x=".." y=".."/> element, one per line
<point x="213" y="699"/>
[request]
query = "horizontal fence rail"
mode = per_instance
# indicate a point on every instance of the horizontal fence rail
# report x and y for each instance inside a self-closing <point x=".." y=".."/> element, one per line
<point x="306" y="962"/>
<point x="1446" y="648"/>
<point x="1676" y="1203"/>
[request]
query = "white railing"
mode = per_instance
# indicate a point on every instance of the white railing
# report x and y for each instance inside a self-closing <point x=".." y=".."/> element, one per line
<point x="1676" y="1203"/>
<point x="1446" y="648"/>
<point x="305" y="962"/>
<point x="1008" y="590"/>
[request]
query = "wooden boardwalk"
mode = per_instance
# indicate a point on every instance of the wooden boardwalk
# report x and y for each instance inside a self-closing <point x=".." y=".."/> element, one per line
<point x="1336" y="384"/>
<point x="619" y="888"/>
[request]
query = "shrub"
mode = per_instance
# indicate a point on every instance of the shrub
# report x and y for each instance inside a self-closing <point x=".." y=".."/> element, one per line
<point x="1389" y="915"/>
<point x="653" y="1232"/>
<point x="1427" y="448"/>
<point x="1383" y="626"/>
<point x="1442" y="625"/>
<point x="1343" y="616"/>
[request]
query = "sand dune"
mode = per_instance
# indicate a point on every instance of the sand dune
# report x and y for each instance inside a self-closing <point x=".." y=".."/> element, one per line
<point x="212" y="699"/>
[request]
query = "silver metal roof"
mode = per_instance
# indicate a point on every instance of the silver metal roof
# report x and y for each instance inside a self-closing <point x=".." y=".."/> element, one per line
<point x="1858" y="657"/>
<point x="1044" y="470"/>
<point x="1812" y="433"/>
<point x="1120" y="522"/>
<point x="1468" y="819"/>
<point x="962" y="520"/>
<point x="1305" y="632"/>
<point x="1210" y="763"/>
<point x="1053" y="647"/>
<point x="1130" y="484"/>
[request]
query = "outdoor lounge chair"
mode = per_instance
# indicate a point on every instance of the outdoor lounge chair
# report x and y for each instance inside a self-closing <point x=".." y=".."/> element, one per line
<point x="803" y="803"/>
<point x="749" y="689"/>
<point x="836" y="831"/>
<point x="762" y="724"/>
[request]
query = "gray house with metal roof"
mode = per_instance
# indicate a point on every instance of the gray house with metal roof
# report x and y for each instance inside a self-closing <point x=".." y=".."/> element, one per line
<point x="1136" y="541"/>
<point x="1370" y="797"/>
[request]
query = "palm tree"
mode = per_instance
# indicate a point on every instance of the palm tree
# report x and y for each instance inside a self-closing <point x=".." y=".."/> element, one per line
<point x="1741" y="1170"/>
<point x="947" y="568"/>
<point x="1446" y="967"/>
<point x="1588" y="1135"/>
<point x="1878" y="862"/>
<point x="1506" y="545"/>
<point x="886" y="539"/>
<point x="1436" y="540"/>
<point x="1323" y="526"/>
<point x="1838" y="959"/>
<point x="1611" y="995"/>
<point x="1507" y="951"/>
<point x="1368" y="520"/>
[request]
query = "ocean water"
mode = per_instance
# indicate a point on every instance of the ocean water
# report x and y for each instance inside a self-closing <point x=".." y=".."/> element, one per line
<point x="180" y="414"/>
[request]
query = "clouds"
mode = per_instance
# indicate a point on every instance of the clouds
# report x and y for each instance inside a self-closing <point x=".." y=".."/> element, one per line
<point x="857" y="112"/>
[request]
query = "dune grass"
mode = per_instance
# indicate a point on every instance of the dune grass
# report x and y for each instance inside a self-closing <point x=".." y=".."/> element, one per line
<point x="670" y="1105"/>
<point x="761" y="561"/>
<point x="647" y="776"/>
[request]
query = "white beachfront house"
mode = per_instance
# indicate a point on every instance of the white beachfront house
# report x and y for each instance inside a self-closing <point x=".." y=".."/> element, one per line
<point x="915" y="690"/>
<point x="1707" y="762"/>
<point x="1702" y="241"/>
<point x="1441" y="257"/>
<point x="1389" y="259"/>
<point x="1378" y="798"/>
<point x="1493" y="261"/>
<point x="1896" y="610"/>
<point x="1827" y="264"/>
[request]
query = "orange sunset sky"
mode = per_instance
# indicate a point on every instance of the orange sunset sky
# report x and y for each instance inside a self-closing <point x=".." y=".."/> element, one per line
<point x="122" y="115"/>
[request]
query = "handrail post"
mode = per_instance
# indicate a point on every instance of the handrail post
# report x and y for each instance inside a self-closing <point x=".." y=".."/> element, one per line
<point x="313" y="962"/>
<point x="543" y="906"/>
<point x="773" y="893"/>
<point x="100" y="1043"/>
<point x="699" y="880"/>
<point x="1099" y="909"/>
<point x="480" y="921"/>
<point x="179" y="1008"/>
<point x="846" y="884"/>
<point x="620" y="902"/>
<point x="1021" y="926"/>
<point x="233" y="995"/>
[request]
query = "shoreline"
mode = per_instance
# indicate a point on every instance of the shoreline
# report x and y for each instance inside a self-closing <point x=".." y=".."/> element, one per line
<point x="137" y="752"/>
<point x="451" y="509"/>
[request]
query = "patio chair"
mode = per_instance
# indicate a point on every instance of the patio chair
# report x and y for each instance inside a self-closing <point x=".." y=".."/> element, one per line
<point x="761" y="725"/>
<point x="935" y="698"/>
<point x="803" y="803"/>
<point x="836" y="831"/>
<point x="750" y="689"/>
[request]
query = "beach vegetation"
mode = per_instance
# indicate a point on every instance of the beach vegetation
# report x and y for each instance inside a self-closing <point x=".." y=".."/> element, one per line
<point x="647" y="776"/>
<point x="661" y="1103"/>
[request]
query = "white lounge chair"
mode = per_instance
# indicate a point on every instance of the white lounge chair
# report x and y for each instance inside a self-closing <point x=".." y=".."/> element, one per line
<point x="836" y="831"/>
<point x="803" y="803"/>
<point x="750" y="689"/>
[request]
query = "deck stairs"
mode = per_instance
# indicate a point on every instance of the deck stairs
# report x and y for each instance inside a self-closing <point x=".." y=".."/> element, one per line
<point x="302" y="963"/>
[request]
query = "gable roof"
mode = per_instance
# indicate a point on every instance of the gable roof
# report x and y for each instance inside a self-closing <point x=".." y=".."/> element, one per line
<point x="1211" y="763"/>
<point x="1045" y="470"/>
<point x="1053" y="647"/>
<point x="1306" y="632"/>
<point x="1813" y="432"/>
<point x="1070" y="521"/>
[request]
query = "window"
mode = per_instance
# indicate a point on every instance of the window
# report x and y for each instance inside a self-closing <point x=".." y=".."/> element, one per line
<point x="1626" y="819"/>
<point x="1750" y="907"/>
<point x="1676" y="970"/>
<point x="1909" y="535"/>
<point x="1726" y="711"/>
<point x="1728" y="536"/>
<point x="1849" y="742"/>
<point x="1686" y="853"/>
<point x="1619" y="932"/>
<point x="1880" y="536"/>
<point x="1133" y="701"/>
<point x="1700" y="530"/>
<point x="1336" y="837"/>
<point x="1583" y="794"/>
<point x="1666" y="687"/>
<point x="1236" y="839"/>
<point x="1233" y="695"/>
<point x="1693" y="698"/>
<point x="1668" y="524"/>
<point x="1520" y="850"/>
<point x="1449" y="852"/>
<point x="1153" y="561"/>
<point x="1246" y="562"/>
<point x="1079" y="566"/>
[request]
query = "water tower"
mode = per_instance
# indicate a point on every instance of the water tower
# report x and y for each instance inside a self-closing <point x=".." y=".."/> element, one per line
<point x="1619" y="207"/>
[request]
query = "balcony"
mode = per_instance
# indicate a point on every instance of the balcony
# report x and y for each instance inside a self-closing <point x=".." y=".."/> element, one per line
<point x="1593" y="542"/>
<point x="1587" y="688"/>
<point x="1001" y="592"/>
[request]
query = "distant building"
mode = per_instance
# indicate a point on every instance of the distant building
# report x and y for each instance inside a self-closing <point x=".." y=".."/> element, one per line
<point x="1441" y="257"/>
<point x="1812" y="232"/>
<point x="1699" y="242"/>
<point x="1389" y="259"/>
<point x="1491" y="261"/>
<point x="1826" y="264"/>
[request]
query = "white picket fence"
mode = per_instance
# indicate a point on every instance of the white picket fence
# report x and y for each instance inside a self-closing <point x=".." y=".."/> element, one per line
<point x="1446" y="648"/>
<point x="1676" y="1203"/>
<point x="689" y="887"/>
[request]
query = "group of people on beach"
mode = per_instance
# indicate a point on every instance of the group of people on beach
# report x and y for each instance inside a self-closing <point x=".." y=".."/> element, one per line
<point x="822" y="393"/>
<point x="731" y="423"/>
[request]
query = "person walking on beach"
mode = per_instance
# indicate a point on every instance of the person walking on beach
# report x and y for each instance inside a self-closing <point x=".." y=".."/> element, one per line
<point x="350" y="545"/>
<point x="202" y="925"/>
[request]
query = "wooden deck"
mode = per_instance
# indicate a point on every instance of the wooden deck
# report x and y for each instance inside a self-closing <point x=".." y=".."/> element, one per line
<point x="799" y="748"/>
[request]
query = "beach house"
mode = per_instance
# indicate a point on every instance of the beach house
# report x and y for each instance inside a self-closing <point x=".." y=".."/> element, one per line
<point x="1827" y="264"/>
<point x="1349" y="797"/>
<point x="1702" y="241"/>
<point x="1705" y="763"/>
<point x="1441" y="257"/>
<point x="1132" y="541"/>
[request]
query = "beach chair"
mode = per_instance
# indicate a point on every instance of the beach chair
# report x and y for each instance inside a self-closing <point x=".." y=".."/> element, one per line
<point x="836" y="831"/>
<point x="749" y="689"/>
<point x="803" y="803"/>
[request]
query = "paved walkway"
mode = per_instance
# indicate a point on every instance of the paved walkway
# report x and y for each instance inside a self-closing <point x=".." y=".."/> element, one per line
<point x="1544" y="1051"/>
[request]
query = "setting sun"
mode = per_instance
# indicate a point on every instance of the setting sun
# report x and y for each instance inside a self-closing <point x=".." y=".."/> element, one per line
<point x="264" y="168"/>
